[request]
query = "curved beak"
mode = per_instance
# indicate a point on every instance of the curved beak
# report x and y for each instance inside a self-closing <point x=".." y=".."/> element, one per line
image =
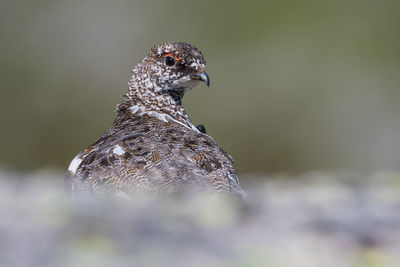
<point x="202" y="76"/>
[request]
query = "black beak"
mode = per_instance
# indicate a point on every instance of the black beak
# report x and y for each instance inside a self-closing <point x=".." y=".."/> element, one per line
<point x="202" y="76"/>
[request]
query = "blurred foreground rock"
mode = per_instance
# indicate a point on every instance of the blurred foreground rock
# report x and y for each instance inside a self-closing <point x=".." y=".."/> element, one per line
<point x="317" y="219"/>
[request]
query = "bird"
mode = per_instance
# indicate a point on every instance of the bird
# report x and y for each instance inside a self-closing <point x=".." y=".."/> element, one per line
<point x="152" y="145"/>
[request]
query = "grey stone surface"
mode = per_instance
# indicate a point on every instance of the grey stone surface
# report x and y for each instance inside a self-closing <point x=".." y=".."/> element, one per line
<point x="315" y="219"/>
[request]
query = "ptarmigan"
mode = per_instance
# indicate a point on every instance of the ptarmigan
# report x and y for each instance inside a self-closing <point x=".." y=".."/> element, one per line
<point x="152" y="146"/>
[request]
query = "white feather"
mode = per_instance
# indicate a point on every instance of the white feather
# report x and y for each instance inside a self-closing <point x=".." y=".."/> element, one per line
<point x="118" y="150"/>
<point x="75" y="164"/>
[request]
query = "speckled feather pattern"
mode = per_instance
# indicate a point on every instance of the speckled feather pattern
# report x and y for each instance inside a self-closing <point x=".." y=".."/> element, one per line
<point x="152" y="146"/>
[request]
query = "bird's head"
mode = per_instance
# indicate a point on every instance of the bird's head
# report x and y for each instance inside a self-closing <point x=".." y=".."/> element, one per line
<point x="172" y="68"/>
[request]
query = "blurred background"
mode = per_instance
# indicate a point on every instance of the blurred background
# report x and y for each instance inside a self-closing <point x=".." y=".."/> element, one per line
<point x="304" y="95"/>
<point x="295" y="85"/>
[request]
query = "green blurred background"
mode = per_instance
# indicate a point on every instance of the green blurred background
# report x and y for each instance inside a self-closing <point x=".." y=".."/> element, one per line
<point x="295" y="85"/>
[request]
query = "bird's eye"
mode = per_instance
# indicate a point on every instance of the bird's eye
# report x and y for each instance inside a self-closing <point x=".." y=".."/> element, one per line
<point x="170" y="61"/>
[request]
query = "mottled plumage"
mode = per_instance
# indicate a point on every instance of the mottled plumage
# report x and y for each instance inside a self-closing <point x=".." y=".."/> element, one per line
<point x="152" y="146"/>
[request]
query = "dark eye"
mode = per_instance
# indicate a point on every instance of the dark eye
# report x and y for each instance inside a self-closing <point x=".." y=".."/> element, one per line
<point x="170" y="61"/>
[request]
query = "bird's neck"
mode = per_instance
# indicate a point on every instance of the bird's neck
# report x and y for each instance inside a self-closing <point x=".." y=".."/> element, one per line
<point x="142" y="100"/>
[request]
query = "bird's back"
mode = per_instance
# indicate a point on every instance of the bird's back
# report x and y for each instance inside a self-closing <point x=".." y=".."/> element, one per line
<point x="146" y="154"/>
